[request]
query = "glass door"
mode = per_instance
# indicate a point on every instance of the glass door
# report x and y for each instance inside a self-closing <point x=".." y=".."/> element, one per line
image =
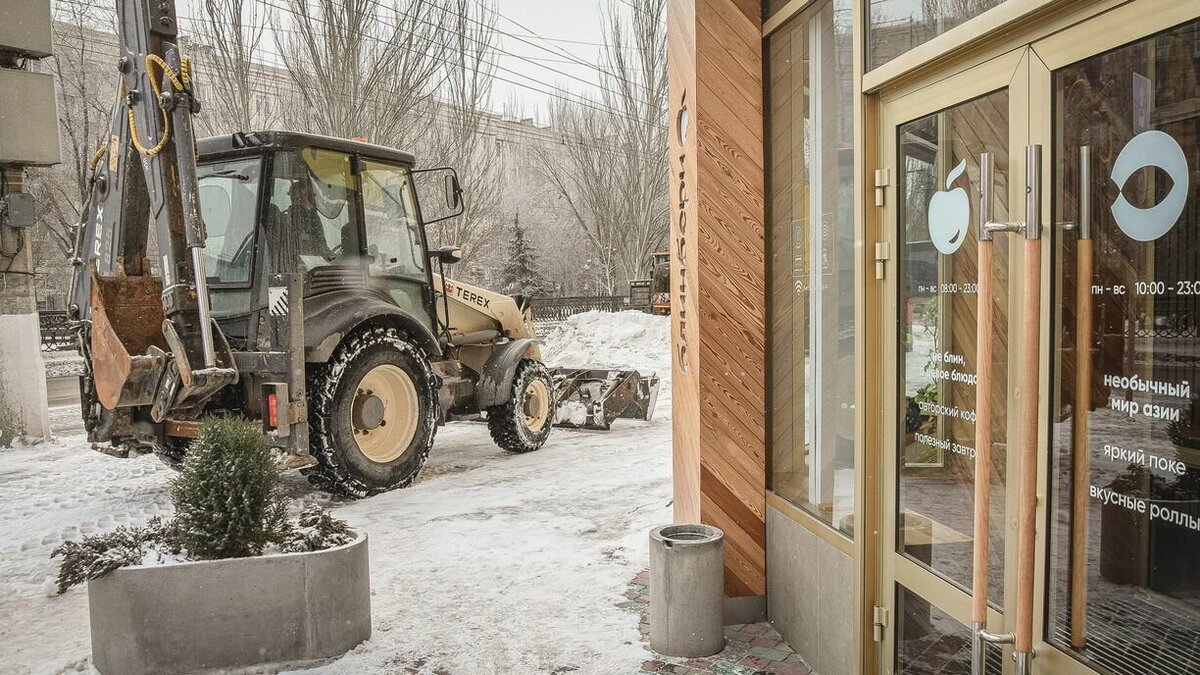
<point x="1123" y="551"/>
<point x="1070" y="379"/>
<point x="943" y="146"/>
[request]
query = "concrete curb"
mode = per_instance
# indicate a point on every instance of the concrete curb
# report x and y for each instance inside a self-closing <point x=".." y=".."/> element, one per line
<point x="231" y="613"/>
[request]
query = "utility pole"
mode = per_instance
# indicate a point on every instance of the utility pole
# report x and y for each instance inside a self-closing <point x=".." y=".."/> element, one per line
<point x="28" y="138"/>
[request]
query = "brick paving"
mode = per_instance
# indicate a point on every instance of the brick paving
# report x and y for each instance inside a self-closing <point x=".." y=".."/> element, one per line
<point x="750" y="649"/>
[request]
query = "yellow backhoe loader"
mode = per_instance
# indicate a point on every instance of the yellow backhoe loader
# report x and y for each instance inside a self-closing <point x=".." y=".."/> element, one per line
<point x="293" y="285"/>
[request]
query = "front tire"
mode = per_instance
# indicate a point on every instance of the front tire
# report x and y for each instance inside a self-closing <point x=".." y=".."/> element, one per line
<point x="372" y="414"/>
<point x="523" y="423"/>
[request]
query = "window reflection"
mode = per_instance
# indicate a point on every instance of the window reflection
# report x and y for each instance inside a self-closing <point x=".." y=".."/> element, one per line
<point x="811" y="243"/>
<point x="939" y="175"/>
<point x="931" y="642"/>
<point x="897" y="26"/>
<point x="1125" y="538"/>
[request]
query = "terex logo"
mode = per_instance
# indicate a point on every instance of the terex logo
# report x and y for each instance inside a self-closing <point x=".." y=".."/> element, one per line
<point x="950" y="214"/>
<point x="464" y="294"/>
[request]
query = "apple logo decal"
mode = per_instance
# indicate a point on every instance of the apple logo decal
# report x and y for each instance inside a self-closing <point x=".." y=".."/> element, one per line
<point x="950" y="214"/>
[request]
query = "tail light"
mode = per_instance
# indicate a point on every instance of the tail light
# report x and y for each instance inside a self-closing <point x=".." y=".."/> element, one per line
<point x="273" y="410"/>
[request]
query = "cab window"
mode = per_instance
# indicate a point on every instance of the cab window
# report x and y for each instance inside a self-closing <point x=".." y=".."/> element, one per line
<point x="394" y="244"/>
<point x="228" y="202"/>
<point x="311" y="215"/>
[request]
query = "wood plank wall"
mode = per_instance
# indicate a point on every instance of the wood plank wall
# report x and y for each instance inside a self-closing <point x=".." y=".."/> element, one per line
<point x="718" y="324"/>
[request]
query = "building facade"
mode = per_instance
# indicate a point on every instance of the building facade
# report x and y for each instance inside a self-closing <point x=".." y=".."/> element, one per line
<point x="936" y="287"/>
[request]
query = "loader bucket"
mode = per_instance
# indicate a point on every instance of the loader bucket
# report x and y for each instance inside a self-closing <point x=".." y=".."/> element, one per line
<point x="127" y="317"/>
<point x="593" y="399"/>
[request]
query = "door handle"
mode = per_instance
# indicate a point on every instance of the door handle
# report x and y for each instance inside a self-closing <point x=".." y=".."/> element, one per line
<point x="1033" y="192"/>
<point x="1022" y="636"/>
<point x="988" y="226"/>
<point x="1084" y="223"/>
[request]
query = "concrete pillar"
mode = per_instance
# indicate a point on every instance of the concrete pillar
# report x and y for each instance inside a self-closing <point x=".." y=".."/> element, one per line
<point x="28" y="137"/>
<point x="23" y="412"/>
<point x="714" y="64"/>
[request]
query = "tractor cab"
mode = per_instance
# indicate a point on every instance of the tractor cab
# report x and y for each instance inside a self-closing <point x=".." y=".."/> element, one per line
<point x="344" y="214"/>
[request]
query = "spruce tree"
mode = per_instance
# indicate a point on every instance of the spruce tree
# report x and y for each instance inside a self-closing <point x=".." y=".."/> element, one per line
<point x="227" y="499"/>
<point x="520" y="274"/>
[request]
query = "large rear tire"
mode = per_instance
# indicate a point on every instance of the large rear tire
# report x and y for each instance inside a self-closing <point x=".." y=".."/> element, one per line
<point x="372" y="414"/>
<point x="523" y="423"/>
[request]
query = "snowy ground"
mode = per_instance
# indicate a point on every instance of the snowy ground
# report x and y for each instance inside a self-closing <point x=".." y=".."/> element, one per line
<point x="491" y="563"/>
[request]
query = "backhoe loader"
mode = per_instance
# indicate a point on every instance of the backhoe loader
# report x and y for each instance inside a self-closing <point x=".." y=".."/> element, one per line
<point x="293" y="285"/>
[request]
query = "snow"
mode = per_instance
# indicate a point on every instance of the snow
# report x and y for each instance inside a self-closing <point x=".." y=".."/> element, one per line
<point x="490" y="563"/>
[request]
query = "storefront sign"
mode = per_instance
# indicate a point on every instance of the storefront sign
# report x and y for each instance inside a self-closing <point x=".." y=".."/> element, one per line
<point x="682" y="122"/>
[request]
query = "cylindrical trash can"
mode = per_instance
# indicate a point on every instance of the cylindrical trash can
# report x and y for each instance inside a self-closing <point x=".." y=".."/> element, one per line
<point x="687" y="590"/>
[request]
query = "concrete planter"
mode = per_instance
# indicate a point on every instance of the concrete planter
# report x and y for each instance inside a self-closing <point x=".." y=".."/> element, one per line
<point x="231" y="613"/>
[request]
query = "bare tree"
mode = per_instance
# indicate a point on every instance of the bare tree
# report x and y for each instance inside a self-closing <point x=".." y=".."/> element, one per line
<point x="227" y="42"/>
<point x="459" y="136"/>
<point x="83" y="66"/>
<point x="361" y="68"/>
<point x="610" y="169"/>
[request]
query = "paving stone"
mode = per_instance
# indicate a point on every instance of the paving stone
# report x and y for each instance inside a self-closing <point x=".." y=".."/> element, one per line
<point x="756" y="662"/>
<point x="756" y="628"/>
<point x="764" y="641"/>
<point x="789" y="669"/>
<point x="652" y="666"/>
<point x="769" y="654"/>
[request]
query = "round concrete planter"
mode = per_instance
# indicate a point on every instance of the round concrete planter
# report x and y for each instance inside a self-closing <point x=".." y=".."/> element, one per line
<point x="195" y="616"/>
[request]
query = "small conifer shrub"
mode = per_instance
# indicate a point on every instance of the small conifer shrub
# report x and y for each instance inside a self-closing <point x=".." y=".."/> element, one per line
<point x="227" y="499"/>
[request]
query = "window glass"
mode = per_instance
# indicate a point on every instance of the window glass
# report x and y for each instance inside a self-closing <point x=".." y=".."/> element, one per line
<point x="938" y="174"/>
<point x="811" y="244"/>
<point x="311" y="219"/>
<point x="1125" y="436"/>
<point x="896" y="26"/>
<point x="228" y="204"/>
<point x="931" y="642"/>
<point x="394" y="244"/>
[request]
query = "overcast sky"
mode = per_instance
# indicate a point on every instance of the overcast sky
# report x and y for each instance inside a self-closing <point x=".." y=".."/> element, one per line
<point x="555" y="33"/>
<point x="556" y="21"/>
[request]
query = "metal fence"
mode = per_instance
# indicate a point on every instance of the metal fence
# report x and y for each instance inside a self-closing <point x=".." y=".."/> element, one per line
<point x="558" y="309"/>
<point x="58" y="331"/>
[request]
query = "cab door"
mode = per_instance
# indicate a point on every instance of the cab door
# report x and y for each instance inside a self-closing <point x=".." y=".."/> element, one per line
<point x="394" y="241"/>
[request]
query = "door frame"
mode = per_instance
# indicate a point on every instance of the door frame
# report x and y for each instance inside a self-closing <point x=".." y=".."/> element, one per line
<point x="1008" y="71"/>
<point x="1026" y="71"/>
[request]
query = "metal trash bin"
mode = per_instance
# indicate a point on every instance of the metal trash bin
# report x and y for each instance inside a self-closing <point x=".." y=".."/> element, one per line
<point x="687" y="590"/>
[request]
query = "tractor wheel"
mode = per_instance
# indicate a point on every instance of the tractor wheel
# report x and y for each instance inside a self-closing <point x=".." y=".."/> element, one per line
<point x="372" y="414"/>
<point x="523" y="423"/>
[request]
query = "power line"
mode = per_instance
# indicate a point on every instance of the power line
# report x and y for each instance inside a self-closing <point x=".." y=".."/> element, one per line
<point x="282" y="76"/>
<point x="552" y="90"/>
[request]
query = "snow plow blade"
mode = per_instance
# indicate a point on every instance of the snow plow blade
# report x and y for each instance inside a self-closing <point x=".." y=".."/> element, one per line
<point x="593" y="399"/>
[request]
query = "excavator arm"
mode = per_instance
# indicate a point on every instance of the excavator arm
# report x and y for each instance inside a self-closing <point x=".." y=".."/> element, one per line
<point x="149" y="339"/>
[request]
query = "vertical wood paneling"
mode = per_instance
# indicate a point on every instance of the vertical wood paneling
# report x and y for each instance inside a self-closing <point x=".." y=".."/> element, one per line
<point x="716" y="173"/>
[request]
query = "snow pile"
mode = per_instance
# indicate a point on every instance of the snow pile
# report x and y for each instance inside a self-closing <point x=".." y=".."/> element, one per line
<point x="621" y="340"/>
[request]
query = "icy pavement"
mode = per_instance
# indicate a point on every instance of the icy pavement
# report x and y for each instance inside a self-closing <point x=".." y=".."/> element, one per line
<point x="491" y="563"/>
